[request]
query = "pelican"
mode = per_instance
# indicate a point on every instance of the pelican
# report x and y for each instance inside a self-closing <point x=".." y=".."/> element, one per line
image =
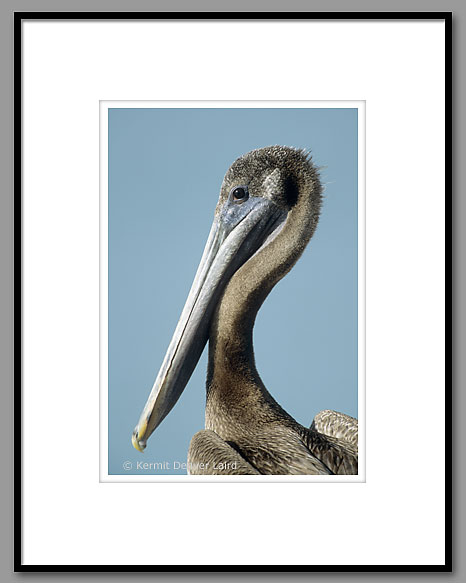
<point x="268" y="210"/>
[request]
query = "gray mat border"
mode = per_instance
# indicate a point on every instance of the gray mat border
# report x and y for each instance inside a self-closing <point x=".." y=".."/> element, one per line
<point x="6" y="215"/>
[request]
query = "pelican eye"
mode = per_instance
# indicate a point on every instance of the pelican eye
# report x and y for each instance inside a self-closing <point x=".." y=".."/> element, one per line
<point x="240" y="193"/>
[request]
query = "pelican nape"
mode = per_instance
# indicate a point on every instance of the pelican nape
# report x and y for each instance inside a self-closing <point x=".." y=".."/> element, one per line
<point x="268" y="209"/>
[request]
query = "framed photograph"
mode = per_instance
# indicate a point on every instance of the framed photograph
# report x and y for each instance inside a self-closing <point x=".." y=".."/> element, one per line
<point x="231" y="272"/>
<point x="148" y="233"/>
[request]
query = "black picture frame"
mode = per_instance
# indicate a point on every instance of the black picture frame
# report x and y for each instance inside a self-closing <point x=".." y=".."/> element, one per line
<point x="19" y="17"/>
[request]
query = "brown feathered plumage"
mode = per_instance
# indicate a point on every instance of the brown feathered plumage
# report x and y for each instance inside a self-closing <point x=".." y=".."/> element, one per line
<point x="247" y="432"/>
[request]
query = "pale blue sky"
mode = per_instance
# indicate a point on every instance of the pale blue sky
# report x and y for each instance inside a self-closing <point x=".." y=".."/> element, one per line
<point x="165" y="171"/>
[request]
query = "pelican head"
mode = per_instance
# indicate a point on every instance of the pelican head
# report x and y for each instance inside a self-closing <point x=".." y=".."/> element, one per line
<point x="259" y="194"/>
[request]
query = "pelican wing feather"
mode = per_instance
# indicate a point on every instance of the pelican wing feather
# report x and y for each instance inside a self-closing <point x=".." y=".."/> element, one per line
<point x="337" y="425"/>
